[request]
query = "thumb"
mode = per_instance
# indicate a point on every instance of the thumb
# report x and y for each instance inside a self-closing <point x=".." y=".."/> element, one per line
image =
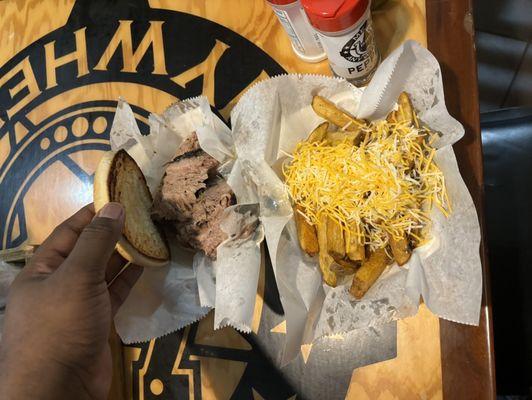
<point x="97" y="242"/>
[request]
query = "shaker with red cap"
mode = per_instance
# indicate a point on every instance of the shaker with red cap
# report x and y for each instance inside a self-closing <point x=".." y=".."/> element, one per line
<point x="346" y="32"/>
<point x="305" y="41"/>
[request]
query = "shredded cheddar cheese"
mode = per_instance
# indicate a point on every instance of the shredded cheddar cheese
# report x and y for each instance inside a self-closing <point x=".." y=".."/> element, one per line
<point x="383" y="187"/>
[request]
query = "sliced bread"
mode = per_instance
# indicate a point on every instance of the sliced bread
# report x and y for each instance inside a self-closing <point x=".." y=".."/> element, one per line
<point x="119" y="179"/>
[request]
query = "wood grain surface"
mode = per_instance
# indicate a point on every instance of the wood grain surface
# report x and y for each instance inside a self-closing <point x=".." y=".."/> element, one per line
<point x="413" y="374"/>
<point x="395" y="21"/>
<point x="435" y="358"/>
<point x="467" y="352"/>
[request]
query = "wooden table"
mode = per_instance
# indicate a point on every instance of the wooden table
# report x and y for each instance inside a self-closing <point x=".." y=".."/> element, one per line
<point x="54" y="126"/>
<point x="468" y="363"/>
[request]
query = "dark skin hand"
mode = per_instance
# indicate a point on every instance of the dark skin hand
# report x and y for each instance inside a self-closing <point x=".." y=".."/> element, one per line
<point x="59" y="311"/>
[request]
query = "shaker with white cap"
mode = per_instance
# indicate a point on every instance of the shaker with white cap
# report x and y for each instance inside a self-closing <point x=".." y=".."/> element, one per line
<point x="346" y="32"/>
<point x="305" y="41"/>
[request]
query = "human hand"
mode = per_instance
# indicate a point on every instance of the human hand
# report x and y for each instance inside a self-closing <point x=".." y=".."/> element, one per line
<point x="59" y="311"/>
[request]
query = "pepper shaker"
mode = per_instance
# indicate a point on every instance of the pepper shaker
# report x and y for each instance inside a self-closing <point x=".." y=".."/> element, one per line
<point x="346" y="32"/>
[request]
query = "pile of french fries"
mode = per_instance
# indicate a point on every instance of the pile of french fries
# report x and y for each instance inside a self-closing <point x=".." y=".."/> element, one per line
<point x="340" y="255"/>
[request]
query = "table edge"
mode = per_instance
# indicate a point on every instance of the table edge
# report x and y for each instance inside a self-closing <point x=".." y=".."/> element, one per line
<point x="450" y="37"/>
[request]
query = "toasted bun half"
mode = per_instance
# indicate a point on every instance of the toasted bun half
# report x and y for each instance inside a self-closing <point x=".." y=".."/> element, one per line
<point x="119" y="179"/>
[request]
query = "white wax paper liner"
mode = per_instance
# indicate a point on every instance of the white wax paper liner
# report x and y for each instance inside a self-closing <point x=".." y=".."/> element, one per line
<point x="169" y="298"/>
<point x="229" y="283"/>
<point x="446" y="272"/>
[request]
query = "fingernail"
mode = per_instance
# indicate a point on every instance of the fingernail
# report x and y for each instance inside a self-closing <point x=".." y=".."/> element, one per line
<point x="111" y="210"/>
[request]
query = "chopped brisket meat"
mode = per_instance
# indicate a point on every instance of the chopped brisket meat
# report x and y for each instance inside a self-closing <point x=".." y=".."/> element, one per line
<point x="192" y="197"/>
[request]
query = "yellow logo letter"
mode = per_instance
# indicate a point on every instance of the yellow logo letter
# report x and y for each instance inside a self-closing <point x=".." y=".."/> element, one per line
<point x="122" y="37"/>
<point x="205" y="68"/>
<point x="28" y="81"/>
<point x="80" y="55"/>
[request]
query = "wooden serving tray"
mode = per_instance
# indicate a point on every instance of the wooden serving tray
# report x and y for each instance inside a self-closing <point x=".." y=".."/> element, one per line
<point x="55" y="116"/>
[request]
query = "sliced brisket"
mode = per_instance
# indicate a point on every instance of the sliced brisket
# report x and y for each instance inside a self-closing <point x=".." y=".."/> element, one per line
<point x="193" y="198"/>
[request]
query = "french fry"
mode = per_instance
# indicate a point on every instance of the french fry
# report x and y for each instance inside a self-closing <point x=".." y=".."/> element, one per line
<point x="326" y="261"/>
<point x="415" y="118"/>
<point x="416" y="236"/>
<point x="335" y="138"/>
<point x="392" y="117"/>
<point x="354" y="247"/>
<point x="308" y="238"/>
<point x="345" y="267"/>
<point x="326" y="109"/>
<point x="368" y="273"/>
<point x="335" y="239"/>
<point x="405" y="112"/>
<point x="400" y="249"/>
<point x="408" y="113"/>
<point x="318" y="134"/>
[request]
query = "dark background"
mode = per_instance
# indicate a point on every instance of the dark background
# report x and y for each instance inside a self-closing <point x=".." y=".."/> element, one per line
<point x="504" y="55"/>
